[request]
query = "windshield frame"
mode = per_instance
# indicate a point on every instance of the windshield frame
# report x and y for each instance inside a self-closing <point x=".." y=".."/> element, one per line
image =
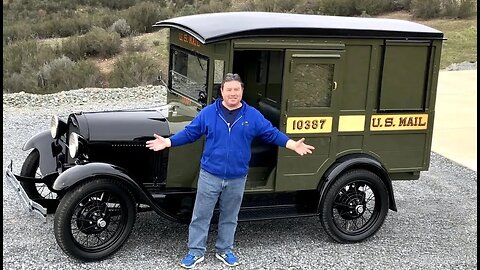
<point x="171" y="67"/>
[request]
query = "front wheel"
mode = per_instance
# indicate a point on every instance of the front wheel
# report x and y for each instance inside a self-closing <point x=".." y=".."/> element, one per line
<point x="354" y="206"/>
<point x="94" y="219"/>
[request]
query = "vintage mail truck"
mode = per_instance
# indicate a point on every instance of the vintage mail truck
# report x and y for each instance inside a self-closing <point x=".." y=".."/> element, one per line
<point x="361" y="90"/>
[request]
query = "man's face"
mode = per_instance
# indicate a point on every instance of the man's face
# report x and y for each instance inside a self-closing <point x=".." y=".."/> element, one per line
<point x="232" y="93"/>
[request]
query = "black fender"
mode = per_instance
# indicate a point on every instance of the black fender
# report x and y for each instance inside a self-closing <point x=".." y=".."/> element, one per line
<point x="357" y="161"/>
<point x="48" y="148"/>
<point x="83" y="172"/>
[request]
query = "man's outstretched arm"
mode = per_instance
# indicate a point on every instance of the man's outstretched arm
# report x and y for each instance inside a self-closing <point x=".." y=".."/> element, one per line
<point x="299" y="146"/>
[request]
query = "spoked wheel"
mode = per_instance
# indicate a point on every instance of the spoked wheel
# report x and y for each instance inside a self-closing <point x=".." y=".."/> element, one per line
<point x="31" y="168"/>
<point x="94" y="219"/>
<point x="354" y="207"/>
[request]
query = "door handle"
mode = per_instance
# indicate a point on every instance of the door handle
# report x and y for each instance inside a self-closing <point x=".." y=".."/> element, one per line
<point x="334" y="86"/>
<point x="285" y="113"/>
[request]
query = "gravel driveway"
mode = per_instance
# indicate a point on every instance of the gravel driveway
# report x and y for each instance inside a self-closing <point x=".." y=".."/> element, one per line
<point x="435" y="226"/>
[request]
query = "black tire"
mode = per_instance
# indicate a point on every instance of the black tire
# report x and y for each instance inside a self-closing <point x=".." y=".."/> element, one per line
<point x="354" y="206"/>
<point x="30" y="168"/>
<point x="94" y="219"/>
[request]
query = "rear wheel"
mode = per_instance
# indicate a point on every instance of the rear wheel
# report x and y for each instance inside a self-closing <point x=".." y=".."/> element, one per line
<point x="354" y="206"/>
<point x="94" y="219"/>
<point x="31" y="168"/>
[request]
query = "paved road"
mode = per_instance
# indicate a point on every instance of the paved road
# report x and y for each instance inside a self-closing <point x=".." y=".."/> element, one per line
<point x="455" y="127"/>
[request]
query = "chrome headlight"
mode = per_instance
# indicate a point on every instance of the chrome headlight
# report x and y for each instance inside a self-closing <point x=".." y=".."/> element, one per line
<point x="57" y="127"/>
<point x="54" y="126"/>
<point x="73" y="144"/>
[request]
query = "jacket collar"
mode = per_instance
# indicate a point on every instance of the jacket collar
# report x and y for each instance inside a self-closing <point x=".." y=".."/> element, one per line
<point x="218" y="104"/>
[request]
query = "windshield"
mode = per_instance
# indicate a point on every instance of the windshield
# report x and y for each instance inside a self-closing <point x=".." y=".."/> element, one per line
<point x="189" y="75"/>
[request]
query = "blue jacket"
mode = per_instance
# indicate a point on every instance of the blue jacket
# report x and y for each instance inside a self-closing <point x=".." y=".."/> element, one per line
<point x="227" y="149"/>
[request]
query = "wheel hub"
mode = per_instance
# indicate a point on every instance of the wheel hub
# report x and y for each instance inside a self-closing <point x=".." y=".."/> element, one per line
<point x="359" y="209"/>
<point x="352" y="204"/>
<point x="92" y="218"/>
<point x="101" y="223"/>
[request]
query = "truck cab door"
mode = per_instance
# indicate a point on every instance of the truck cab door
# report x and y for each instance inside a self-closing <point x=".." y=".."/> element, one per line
<point x="312" y="81"/>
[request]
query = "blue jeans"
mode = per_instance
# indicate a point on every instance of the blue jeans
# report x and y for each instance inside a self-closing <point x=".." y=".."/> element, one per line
<point x="229" y="193"/>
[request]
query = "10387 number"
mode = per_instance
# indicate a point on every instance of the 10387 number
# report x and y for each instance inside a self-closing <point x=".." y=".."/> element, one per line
<point x="309" y="124"/>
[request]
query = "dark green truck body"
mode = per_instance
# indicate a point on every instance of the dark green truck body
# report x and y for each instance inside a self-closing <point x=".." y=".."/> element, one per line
<point x="350" y="86"/>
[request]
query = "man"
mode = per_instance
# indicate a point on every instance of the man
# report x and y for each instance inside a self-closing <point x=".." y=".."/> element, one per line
<point x="229" y="126"/>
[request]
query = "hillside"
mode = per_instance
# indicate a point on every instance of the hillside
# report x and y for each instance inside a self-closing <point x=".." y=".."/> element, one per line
<point x="56" y="46"/>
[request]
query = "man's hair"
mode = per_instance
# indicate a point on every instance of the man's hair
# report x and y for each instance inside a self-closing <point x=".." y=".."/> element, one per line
<point x="232" y="77"/>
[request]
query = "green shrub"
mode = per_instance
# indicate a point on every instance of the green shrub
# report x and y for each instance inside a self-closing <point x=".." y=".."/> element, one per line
<point x="88" y="74"/>
<point x="25" y="81"/>
<point x="133" y="70"/>
<point x="60" y="26"/>
<point x="186" y="10"/>
<point x="26" y="53"/>
<point x="63" y="74"/>
<point x="116" y="4"/>
<point x="105" y="18"/>
<point x="398" y="5"/>
<point x="372" y="7"/>
<point x="143" y="15"/>
<point x="286" y="5"/>
<point x="135" y="46"/>
<point x="449" y="8"/>
<point x="467" y="9"/>
<point x="16" y="32"/>
<point x="51" y="74"/>
<point x="247" y="5"/>
<point x="121" y="27"/>
<point x="309" y="7"/>
<point x="179" y="4"/>
<point x="210" y="6"/>
<point x="426" y="9"/>
<point x="339" y="7"/>
<point x="97" y="42"/>
<point x="265" y="5"/>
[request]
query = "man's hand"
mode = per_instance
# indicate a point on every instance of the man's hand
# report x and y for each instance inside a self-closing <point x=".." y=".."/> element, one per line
<point x="300" y="147"/>
<point x="159" y="143"/>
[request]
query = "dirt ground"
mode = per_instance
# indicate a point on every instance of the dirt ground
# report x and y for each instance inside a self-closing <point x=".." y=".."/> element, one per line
<point x="455" y="126"/>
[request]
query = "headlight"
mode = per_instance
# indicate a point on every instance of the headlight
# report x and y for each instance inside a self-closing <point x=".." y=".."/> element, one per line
<point x="54" y="126"/>
<point x="73" y="144"/>
<point x="57" y="127"/>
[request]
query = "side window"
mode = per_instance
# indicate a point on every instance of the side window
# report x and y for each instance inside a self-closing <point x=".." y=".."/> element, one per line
<point x="313" y="84"/>
<point x="311" y="79"/>
<point x="404" y="76"/>
<point x="219" y="70"/>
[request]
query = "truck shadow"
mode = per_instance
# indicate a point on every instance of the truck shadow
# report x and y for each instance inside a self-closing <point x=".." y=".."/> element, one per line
<point x="153" y="231"/>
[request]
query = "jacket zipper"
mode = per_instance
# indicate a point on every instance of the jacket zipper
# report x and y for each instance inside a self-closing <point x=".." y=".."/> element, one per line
<point x="229" y="130"/>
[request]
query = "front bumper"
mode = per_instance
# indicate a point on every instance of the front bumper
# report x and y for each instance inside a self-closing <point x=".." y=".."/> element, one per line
<point x="31" y="205"/>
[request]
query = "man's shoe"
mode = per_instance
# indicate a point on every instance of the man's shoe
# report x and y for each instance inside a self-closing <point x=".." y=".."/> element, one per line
<point x="190" y="261"/>
<point x="228" y="258"/>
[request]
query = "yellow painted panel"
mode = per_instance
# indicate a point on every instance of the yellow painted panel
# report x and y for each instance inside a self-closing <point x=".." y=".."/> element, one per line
<point x="385" y="122"/>
<point x="351" y="123"/>
<point x="309" y="124"/>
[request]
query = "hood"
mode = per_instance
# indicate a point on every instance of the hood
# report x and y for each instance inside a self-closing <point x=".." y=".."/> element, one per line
<point x="120" y="125"/>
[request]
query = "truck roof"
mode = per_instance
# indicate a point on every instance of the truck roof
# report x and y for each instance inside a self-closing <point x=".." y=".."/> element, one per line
<point x="214" y="27"/>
